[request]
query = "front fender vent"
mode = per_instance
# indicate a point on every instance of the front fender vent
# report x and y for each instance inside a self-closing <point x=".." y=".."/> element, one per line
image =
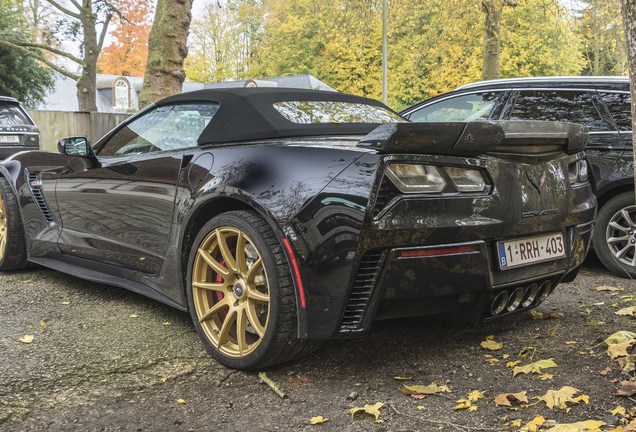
<point x="35" y="185"/>
<point x="363" y="287"/>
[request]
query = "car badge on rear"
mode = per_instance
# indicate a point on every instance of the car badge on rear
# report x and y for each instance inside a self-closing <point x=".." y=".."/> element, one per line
<point x="537" y="183"/>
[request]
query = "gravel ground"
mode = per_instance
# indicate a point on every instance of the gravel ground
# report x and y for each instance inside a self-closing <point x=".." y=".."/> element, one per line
<point x="104" y="359"/>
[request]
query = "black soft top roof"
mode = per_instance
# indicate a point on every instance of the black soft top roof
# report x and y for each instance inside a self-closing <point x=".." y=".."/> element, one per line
<point x="248" y="114"/>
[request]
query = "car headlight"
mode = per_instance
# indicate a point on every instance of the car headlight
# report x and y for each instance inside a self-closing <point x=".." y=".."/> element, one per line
<point x="466" y="179"/>
<point x="416" y="178"/>
<point x="578" y="171"/>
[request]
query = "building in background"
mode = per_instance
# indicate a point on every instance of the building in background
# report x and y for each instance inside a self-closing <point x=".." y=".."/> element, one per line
<point x="120" y="94"/>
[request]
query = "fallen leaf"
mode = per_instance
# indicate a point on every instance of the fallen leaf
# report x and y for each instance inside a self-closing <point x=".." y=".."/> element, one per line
<point x="619" y="349"/>
<point x="608" y="288"/>
<point x="605" y="371"/>
<point x="627" y="388"/>
<point x="294" y="382"/>
<point x="42" y="325"/>
<point x="546" y="377"/>
<point x="133" y="316"/>
<point x="619" y="410"/>
<point x="421" y="407"/>
<point x="402" y="378"/>
<point x="181" y="401"/>
<point x="536" y="367"/>
<point x="570" y="342"/>
<point x="430" y="389"/>
<point x="534" y="424"/>
<point x="26" y="339"/>
<point x="167" y="324"/>
<point x="560" y="398"/>
<point x="373" y="410"/>
<point x="26" y="281"/>
<point x="465" y="404"/>
<point x="491" y="344"/>
<point x="620" y="336"/>
<point x="164" y="379"/>
<point x="318" y="420"/>
<point x="506" y="399"/>
<point x="545" y="315"/>
<point x="475" y="395"/>
<point x="492" y="361"/>
<point x="515" y="423"/>
<point x="65" y="302"/>
<point x="627" y="364"/>
<point x="505" y="356"/>
<point x="628" y="311"/>
<point x="512" y="364"/>
<point x="584" y="426"/>
<point x="593" y="322"/>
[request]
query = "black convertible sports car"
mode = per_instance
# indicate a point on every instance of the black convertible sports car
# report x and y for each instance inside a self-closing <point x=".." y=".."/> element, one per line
<point x="281" y="217"/>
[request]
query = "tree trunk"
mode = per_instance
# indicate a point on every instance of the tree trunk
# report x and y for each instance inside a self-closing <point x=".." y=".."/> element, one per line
<point x="628" y="9"/>
<point x="492" y="44"/>
<point x="167" y="50"/>
<point x="87" y="85"/>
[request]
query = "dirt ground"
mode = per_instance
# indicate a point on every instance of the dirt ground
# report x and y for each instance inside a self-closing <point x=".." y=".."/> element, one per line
<point x="104" y="359"/>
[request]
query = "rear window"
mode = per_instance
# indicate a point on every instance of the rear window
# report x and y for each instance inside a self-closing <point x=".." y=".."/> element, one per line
<point x="565" y="106"/>
<point x="12" y="114"/>
<point x="316" y="112"/>
<point x="620" y="106"/>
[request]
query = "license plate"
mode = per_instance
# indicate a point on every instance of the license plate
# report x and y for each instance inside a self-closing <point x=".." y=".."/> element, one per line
<point x="530" y="250"/>
<point x="9" y="139"/>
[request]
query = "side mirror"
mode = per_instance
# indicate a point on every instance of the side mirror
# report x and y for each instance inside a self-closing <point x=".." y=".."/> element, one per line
<point x="75" y="146"/>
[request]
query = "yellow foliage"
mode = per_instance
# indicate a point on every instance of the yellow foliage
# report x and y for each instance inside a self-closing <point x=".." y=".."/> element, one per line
<point x="536" y="367"/>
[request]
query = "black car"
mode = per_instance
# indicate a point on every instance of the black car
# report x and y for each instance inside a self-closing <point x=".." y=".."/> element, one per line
<point x="281" y="217"/>
<point x="17" y="130"/>
<point x="603" y="104"/>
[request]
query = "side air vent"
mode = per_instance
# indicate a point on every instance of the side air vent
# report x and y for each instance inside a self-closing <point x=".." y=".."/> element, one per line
<point x="385" y="194"/>
<point x="35" y="184"/>
<point x="363" y="287"/>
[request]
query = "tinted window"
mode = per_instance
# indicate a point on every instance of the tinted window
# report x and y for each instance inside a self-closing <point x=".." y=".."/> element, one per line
<point x="164" y="128"/>
<point x="620" y="105"/>
<point x="567" y="106"/>
<point x="11" y="114"/>
<point x="314" y="112"/>
<point x="471" y="107"/>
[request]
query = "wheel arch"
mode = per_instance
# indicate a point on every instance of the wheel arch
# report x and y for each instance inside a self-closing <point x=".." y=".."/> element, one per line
<point x="611" y="193"/>
<point x="216" y="205"/>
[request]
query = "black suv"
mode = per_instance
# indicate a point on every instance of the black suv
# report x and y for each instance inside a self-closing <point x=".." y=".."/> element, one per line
<point x="600" y="103"/>
<point x="17" y="130"/>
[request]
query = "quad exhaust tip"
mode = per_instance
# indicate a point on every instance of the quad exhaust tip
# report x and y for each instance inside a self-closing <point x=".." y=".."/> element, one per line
<point x="520" y="297"/>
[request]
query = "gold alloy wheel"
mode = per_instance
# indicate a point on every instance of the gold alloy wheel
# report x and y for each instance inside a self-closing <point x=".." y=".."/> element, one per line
<point x="3" y="227"/>
<point x="230" y="290"/>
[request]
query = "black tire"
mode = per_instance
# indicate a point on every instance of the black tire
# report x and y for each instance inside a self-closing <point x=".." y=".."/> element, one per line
<point x="13" y="255"/>
<point x="614" y="236"/>
<point x="214" y="300"/>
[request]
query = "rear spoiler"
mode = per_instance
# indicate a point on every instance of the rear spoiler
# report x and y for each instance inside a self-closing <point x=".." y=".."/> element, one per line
<point x="473" y="138"/>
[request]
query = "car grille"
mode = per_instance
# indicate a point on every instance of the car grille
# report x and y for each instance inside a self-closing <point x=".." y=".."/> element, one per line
<point x="363" y="286"/>
<point x="36" y="190"/>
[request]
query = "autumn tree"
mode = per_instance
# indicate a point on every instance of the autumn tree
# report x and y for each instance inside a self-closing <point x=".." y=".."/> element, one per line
<point x="600" y="28"/>
<point x="22" y="77"/>
<point x="222" y="41"/>
<point x="167" y="51"/>
<point x="85" y="22"/>
<point x="128" y="53"/>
